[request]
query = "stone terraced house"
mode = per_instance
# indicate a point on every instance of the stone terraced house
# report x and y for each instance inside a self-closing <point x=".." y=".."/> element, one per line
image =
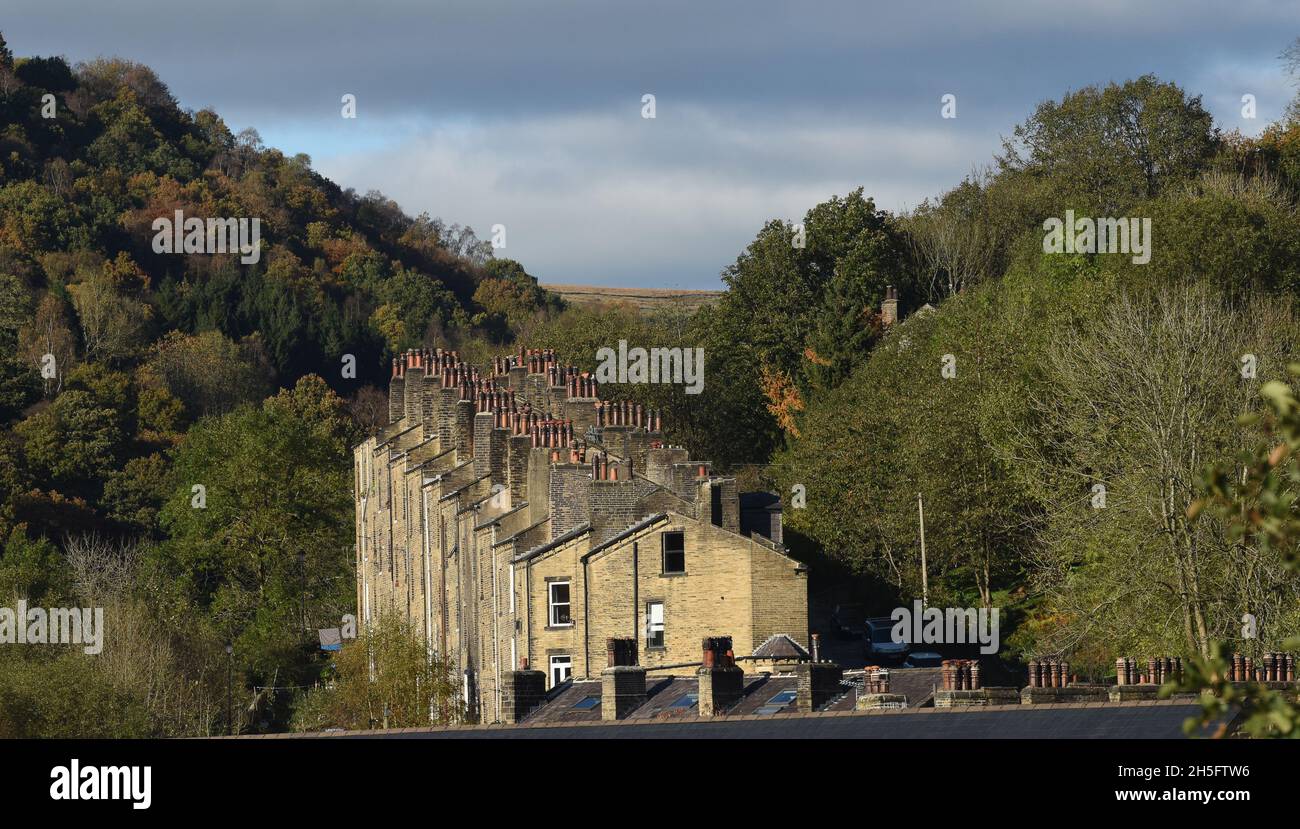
<point x="514" y="519"/>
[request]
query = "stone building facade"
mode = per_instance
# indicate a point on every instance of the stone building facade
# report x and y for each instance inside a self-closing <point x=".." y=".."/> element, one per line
<point x="513" y="517"/>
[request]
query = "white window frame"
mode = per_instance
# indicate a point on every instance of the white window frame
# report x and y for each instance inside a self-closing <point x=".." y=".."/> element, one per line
<point x="652" y="627"/>
<point x="551" y="604"/>
<point x="563" y="662"/>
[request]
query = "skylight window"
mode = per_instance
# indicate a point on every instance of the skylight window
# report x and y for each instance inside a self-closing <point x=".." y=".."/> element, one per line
<point x="776" y="703"/>
<point x="685" y="701"/>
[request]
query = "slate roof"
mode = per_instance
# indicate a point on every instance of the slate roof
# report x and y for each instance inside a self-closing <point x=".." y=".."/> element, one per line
<point x="917" y="684"/>
<point x="559" y="705"/>
<point x="670" y="698"/>
<point x="760" y="690"/>
<point x="780" y="646"/>
<point x="558" y="541"/>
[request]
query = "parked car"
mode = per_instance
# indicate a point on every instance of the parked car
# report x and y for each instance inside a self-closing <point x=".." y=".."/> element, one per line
<point x="848" y="621"/>
<point x="879" y="644"/>
<point x="923" y="659"/>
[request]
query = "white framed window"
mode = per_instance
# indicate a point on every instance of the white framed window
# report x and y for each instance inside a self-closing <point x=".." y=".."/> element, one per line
<point x="561" y="669"/>
<point x="559" y="615"/>
<point x="654" y="625"/>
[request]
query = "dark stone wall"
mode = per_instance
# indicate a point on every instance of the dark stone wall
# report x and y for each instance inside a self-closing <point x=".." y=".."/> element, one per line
<point x="818" y="684"/>
<point x="464" y="436"/>
<point x="614" y="505"/>
<point x="447" y="399"/>
<point x="430" y="410"/>
<point x="483" y="443"/>
<point x="521" y="692"/>
<point x="396" y="399"/>
<point x="517" y="448"/>
<point x="720" y="688"/>
<point x="622" y="691"/>
<point x="570" y="490"/>
<point x="412" y="395"/>
<point x="660" y="462"/>
<point x="582" y="411"/>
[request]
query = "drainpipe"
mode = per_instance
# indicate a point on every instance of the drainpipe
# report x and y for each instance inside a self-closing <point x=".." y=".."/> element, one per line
<point x="636" y="594"/>
<point x="586" y="628"/>
<point x="428" y="577"/>
<point x="496" y="632"/>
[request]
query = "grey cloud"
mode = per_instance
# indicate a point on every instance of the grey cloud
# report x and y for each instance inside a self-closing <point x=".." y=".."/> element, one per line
<point x="480" y="109"/>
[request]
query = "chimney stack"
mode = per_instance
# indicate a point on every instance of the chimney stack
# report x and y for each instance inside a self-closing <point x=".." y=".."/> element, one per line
<point x="889" y="308"/>
<point x="817" y="683"/>
<point x="622" y="684"/>
<point x="722" y="682"/>
<point x="521" y="692"/>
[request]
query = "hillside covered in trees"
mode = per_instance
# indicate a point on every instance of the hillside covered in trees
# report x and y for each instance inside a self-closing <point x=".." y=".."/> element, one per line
<point x="128" y="377"/>
<point x="1061" y="454"/>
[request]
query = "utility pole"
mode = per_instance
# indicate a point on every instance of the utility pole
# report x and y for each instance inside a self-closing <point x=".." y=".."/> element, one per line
<point x="925" y="582"/>
<point x="302" y="571"/>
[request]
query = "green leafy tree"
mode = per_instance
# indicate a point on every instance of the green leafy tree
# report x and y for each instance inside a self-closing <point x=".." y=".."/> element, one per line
<point x="207" y="372"/>
<point x="1132" y="406"/>
<point x="1259" y="501"/>
<point x="385" y="677"/>
<point x="31" y="568"/>
<point x="1105" y="148"/>
<point x="65" y="695"/>
<point x="74" y="443"/>
<point x="267" y="556"/>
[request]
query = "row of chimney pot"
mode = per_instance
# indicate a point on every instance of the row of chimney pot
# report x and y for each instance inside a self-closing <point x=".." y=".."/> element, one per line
<point x="1158" y="670"/>
<point x="533" y="358"/>
<point x="960" y="674"/>
<point x="461" y="377"/>
<point x="1271" y="667"/>
<point x="875" y="680"/>
<point x="1049" y="673"/>
<point x="583" y="385"/>
<point x="426" y="360"/>
<point x="431" y="361"/>
<point x="555" y="434"/>
<point x="488" y="397"/>
<point x="536" y="359"/>
<point x="627" y="413"/>
<point x="495" y="401"/>
<point x="544" y="431"/>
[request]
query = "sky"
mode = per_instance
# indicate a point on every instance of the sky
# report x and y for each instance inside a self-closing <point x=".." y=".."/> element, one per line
<point x="529" y="115"/>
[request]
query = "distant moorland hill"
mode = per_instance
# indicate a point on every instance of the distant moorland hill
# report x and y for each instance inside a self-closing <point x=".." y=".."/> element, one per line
<point x="643" y="299"/>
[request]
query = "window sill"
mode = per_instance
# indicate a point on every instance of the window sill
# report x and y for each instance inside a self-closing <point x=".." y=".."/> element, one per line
<point x="673" y="575"/>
